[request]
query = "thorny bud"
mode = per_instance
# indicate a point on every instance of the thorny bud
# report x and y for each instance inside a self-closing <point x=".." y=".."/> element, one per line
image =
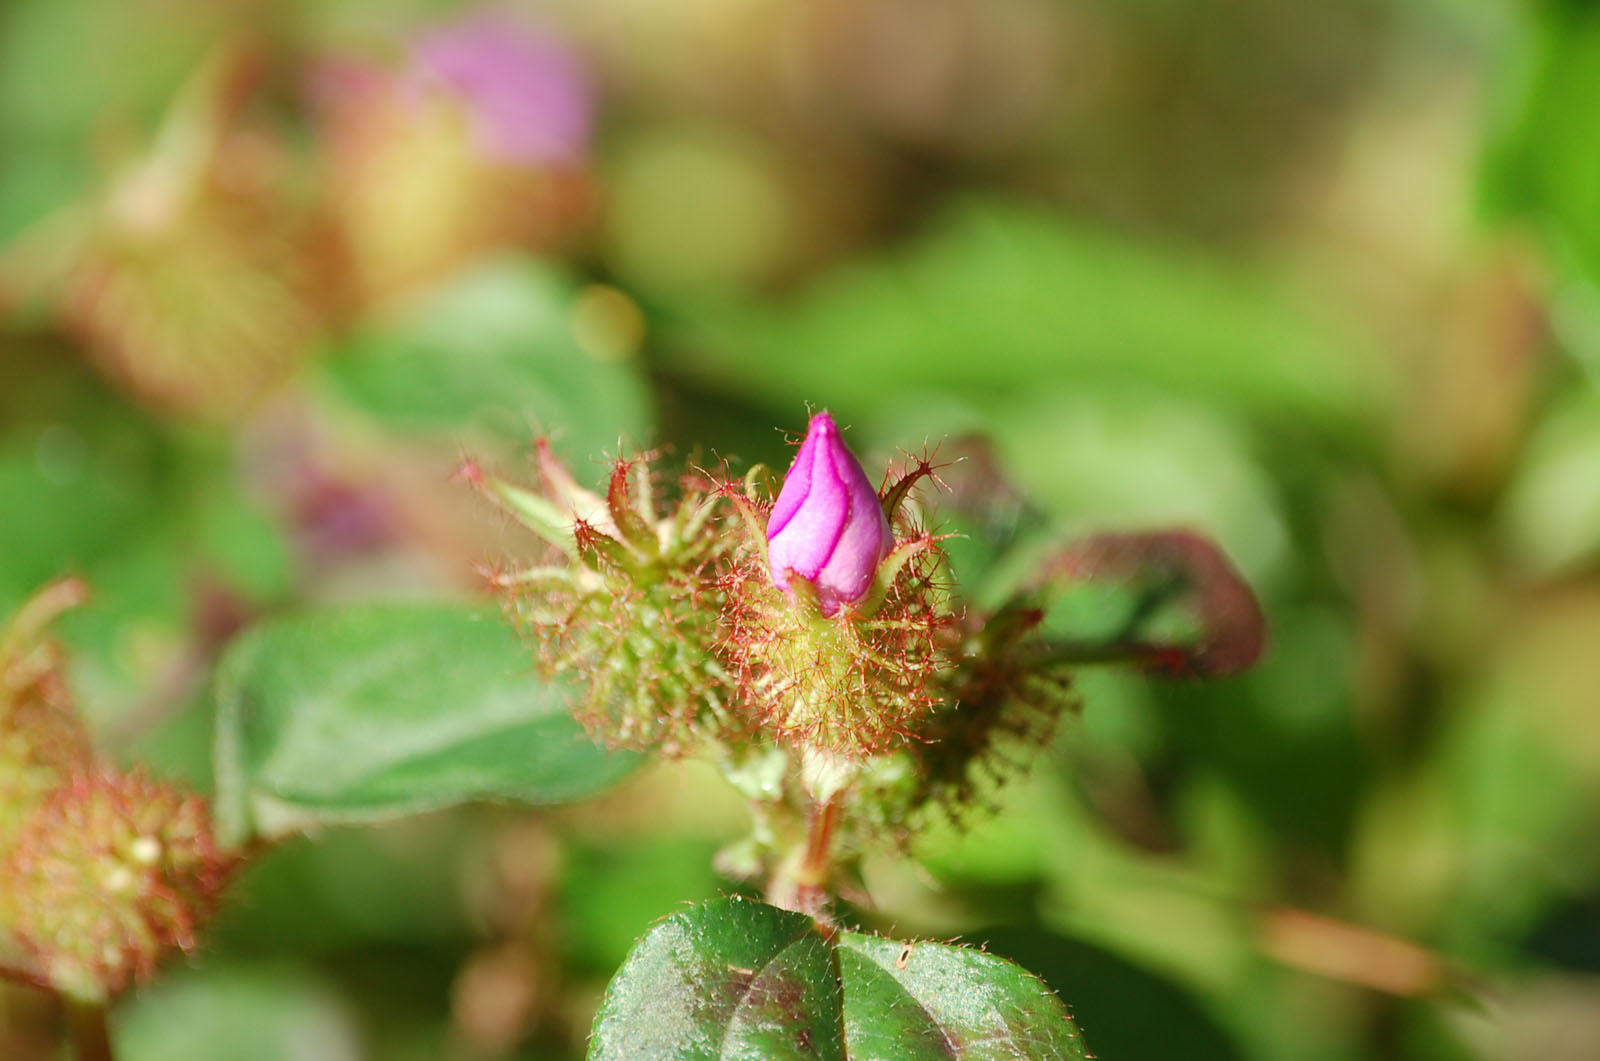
<point x="1001" y="705"/>
<point x="827" y="525"/>
<point x="626" y="599"/>
<point x="100" y="871"/>
<point x="109" y="872"/>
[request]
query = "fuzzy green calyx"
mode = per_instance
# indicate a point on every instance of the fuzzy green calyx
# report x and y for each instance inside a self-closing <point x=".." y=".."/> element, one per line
<point x="1000" y="703"/>
<point x="852" y="684"/>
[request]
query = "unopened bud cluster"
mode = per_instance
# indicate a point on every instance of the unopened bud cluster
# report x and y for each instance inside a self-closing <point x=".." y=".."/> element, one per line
<point x="102" y="872"/>
<point x="817" y="619"/>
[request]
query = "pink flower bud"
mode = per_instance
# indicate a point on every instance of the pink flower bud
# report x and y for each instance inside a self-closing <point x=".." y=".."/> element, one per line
<point x="828" y="526"/>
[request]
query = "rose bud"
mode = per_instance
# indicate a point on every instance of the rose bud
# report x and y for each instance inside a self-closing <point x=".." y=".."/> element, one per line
<point x="828" y="525"/>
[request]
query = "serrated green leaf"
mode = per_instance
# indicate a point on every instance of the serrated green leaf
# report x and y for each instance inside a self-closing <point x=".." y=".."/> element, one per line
<point x="239" y="1012"/>
<point x="373" y="713"/>
<point x="935" y="1000"/>
<point x="738" y="979"/>
<point x="725" y="979"/>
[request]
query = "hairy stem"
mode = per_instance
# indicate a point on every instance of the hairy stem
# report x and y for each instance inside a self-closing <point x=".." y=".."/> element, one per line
<point x="824" y="820"/>
<point x="801" y="883"/>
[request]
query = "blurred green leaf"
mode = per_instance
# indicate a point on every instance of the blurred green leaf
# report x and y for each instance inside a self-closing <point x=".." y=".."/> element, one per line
<point x="397" y="885"/>
<point x="737" y="979"/>
<point x="179" y="745"/>
<point x="1129" y="459"/>
<point x="999" y="299"/>
<point x="46" y="121"/>
<point x="238" y="1013"/>
<point x="608" y="891"/>
<point x="139" y="61"/>
<point x="244" y="543"/>
<point x="378" y="712"/>
<point x="1284" y="734"/>
<point x="1545" y="161"/>
<point x="1551" y="512"/>
<point x="1517" y="771"/>
<point x="697" y="209"/>
<point x="71" y="519"/>
<point x="493" y="349"/>
<point x="153" y="519"/>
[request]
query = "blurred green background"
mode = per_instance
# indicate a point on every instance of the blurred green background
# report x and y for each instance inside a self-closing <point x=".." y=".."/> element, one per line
<point x="1321" y="280"/>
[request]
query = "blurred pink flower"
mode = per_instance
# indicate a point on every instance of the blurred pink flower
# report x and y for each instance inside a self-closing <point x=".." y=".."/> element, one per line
<point x="471" y="140"/>
<point x="525" y="94"/>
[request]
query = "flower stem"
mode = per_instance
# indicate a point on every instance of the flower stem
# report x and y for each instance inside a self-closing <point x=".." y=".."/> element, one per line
<point x="91" y="1035"/>
<point x="816" y="866"/>
<point x="824" y="819"/>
